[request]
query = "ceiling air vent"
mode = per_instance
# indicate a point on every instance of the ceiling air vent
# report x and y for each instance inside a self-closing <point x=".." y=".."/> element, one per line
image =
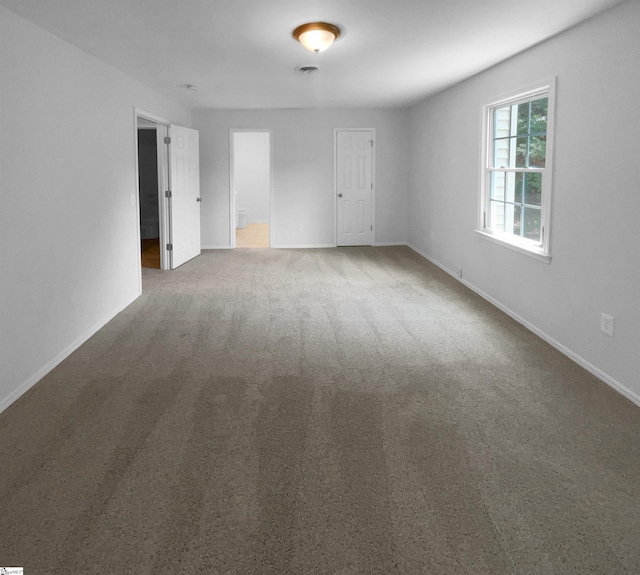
<point x="307" y="69"/>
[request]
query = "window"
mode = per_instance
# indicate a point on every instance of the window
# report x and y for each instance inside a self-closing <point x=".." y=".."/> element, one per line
<point x="516" y="170"/>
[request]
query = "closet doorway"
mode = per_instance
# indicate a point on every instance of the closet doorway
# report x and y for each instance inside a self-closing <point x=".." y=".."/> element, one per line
<point x="151" y="164"/>
<point x="168" y="198"/>
<point x="251" y="189"/>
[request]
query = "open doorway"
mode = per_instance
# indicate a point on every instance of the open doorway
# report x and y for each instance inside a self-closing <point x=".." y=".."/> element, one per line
<point x="251" y="184"/>
<point x="168" y="204"/>
<point x="148" y="197"/>
<point x="151" y="164"/>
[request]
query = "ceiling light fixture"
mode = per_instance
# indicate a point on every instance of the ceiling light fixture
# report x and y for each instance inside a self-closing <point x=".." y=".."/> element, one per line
<point x="316" y="36"/>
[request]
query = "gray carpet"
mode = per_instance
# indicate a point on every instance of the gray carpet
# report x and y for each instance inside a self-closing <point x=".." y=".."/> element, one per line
<point x="333" y="411"/>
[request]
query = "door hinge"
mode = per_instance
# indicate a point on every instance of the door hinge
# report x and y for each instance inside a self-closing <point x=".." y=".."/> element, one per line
<point x="167" y="194"/>
<point x="167" y="139"/>
<point x="371" y="143"/>
<point x="371" y="227"/>
<point x="170" y="247"/>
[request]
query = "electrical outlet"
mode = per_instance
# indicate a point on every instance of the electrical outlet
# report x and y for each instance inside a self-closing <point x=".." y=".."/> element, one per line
<point x="300" y="227"/>
<point x="606" y="324"/>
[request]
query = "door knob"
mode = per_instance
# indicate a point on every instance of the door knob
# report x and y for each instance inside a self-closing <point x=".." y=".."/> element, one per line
<point x="339" y="195"/>
<point x="198" y="199"/>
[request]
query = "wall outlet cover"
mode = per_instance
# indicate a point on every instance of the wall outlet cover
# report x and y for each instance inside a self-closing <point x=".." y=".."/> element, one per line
<point x="606" y="324"/>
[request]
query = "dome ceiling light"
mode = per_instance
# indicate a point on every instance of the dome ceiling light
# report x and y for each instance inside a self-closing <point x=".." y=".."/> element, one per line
<point x="316" y="36"/>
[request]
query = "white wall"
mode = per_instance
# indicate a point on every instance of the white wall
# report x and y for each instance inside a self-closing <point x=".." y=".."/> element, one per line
<point x="302" y="150"/>
<point x="69" y="251"/>
<point x="251" y="174"/>
<point x="595" y="234"/>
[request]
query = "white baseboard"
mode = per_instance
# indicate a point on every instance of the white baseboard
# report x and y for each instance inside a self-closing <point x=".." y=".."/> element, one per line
<point x="44" y="370"/>
<point x="606" y="378"/>
<point x="302" y="246"/>
<point x="307" y="246"/>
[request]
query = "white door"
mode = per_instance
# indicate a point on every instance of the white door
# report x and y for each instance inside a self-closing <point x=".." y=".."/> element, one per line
<point x="354" y="187"/>
<point x="184" y="202"/>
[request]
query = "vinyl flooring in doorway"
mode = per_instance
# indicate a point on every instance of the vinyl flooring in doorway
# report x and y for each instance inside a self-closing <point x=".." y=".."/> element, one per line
<point x="253" y="236"/>
<point x="150" y="253"/>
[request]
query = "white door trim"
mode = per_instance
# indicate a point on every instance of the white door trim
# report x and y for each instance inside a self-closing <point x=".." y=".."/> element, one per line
<point x="232" y="196"/>
<point x="161" y="131"/>
<point x="336" y="131"/>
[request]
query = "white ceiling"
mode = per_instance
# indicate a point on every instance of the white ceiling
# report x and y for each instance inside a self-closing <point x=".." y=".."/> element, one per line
<point x="241" y="54"/>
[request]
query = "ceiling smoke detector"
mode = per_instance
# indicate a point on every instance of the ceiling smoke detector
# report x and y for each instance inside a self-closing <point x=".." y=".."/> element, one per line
<point x="307" y="69"/>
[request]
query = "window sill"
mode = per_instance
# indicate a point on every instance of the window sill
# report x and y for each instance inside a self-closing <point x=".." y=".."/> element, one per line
<point x="527" y="251"/>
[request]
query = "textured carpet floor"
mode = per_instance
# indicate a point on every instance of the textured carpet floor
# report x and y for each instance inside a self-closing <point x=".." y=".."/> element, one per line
<point x="318" y="411"/>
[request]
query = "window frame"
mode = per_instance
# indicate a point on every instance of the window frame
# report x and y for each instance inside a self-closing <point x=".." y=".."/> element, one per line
<point x="539" y="250"/>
